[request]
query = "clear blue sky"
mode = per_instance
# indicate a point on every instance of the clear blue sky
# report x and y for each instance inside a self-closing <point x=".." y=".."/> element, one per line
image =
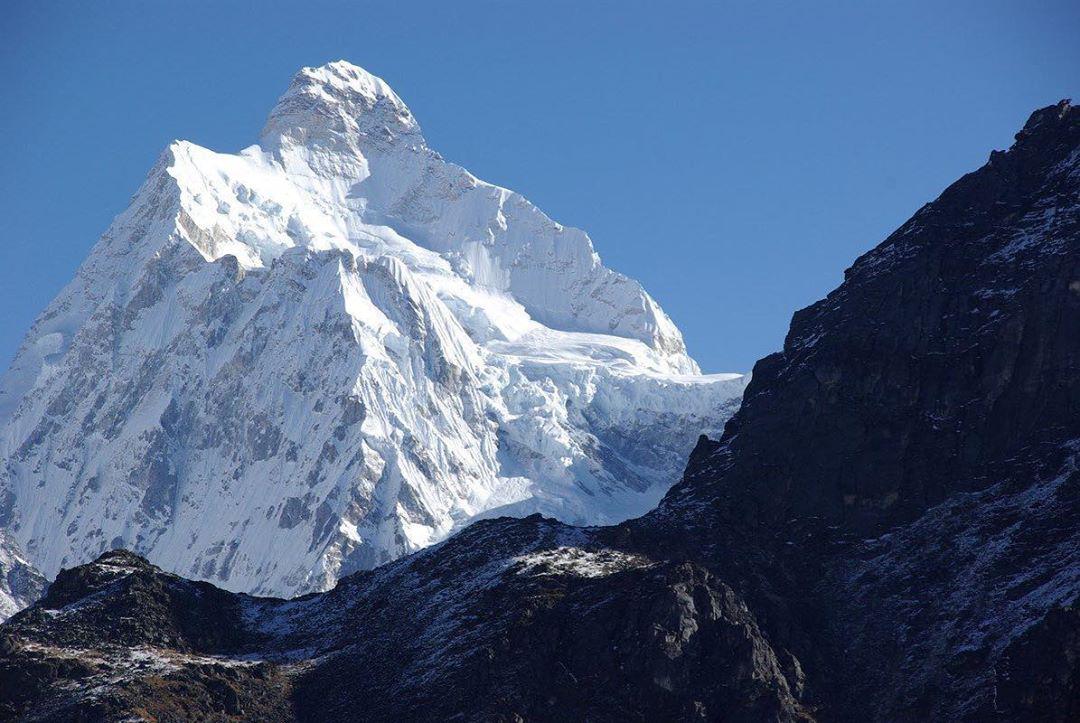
<point x="735" y="157"/>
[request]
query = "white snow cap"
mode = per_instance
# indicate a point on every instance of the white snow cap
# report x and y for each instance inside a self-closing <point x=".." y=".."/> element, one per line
<point x="338" y="96"/>
<point x="339" y="130"/>
<point x="346" y="78"/>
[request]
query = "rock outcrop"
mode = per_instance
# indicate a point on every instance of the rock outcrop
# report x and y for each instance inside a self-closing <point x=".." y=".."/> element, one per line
<point x="20" y="582"/>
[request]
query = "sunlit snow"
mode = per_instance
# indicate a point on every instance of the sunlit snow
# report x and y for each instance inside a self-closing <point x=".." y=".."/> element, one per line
<point x="333" y="348"/>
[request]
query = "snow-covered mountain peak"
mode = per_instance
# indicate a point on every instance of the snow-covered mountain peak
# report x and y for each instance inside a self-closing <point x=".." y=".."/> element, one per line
<point x="332" y="348"/>
<point x="342" y="165"/>
<point x="342" y="79"/>
<point x="340" y="107"/>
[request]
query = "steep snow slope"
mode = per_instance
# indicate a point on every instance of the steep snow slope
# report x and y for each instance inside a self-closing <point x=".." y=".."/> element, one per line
<point x="330" y="349"/>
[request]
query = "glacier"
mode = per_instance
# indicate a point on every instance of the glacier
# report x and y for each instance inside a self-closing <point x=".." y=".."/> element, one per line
<point x="331" y="349"/>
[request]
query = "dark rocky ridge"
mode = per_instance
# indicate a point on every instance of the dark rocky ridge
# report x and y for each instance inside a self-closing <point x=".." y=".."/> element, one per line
<point x="948" y="348"/>
<point x="888" y="530"/>
<point x="897" y="497"/>
<point x="510" y="618"/>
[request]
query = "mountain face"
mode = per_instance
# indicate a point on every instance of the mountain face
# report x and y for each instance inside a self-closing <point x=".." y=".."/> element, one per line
<point x="898" y="493"/>
<point x="889" y="529"/>
<point x="284" y="365"/>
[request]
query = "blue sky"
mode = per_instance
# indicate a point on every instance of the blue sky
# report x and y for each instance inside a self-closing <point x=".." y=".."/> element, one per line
<point x="734" y="157"/>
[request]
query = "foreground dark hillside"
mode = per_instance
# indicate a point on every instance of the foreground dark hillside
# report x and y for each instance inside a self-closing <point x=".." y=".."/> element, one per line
<point x="898" y="491"/>
<point x="888" y="530"/>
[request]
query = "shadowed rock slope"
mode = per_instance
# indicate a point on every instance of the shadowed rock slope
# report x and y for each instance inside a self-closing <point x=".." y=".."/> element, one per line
<point x="889" y="529"/>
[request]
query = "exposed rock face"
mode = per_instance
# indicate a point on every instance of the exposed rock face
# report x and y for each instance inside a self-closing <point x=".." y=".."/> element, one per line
<point x="20" y="582"/>
<point x="948" y="349"/>
<point x="888" y="530"/>
<point x="911" y="453"/>
<point x="934" y="616"/>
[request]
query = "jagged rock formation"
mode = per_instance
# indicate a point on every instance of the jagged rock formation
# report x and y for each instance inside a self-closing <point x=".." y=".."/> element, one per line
<point x="308" y="358"/>
<point x="20" y="582"/>
<point x="889" y="529"/>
